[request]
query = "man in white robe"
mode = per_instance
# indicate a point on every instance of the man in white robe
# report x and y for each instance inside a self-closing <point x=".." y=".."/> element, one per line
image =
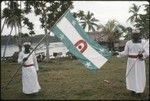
<point x="30" y="67"/>
<point x="135" y="72"/>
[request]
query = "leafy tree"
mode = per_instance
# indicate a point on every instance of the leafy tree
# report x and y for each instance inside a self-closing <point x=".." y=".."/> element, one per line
<point x="49" y="12"/>
<point x="87" y="20"/>
<point x="80" y="14"/>
<point x="13" y="16"/>
<point x="113" y="30"/>
<point x="140" y="21"/>
<point x="135" y="13"/>
<point x="143" y="22"/>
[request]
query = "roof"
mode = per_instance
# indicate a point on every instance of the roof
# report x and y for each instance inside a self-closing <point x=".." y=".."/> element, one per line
<point x="98" y="36"/>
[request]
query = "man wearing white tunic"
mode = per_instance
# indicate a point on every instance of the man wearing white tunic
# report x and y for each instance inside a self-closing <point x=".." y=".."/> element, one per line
<point x="29" y="70"/>
<point x="135" y="72"/>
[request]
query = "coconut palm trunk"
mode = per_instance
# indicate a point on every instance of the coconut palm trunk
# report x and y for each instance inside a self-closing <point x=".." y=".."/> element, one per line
<point x="47" y="40"/>
<point x="3" y="26"/>
<point x="20" y="30"/>
<point x="47" y="45"/>
<point x="7" y="43"/>
<point x="19" y="39"/>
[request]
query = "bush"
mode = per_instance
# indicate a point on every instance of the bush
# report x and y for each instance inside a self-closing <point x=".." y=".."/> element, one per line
<point x="15" y="56"/>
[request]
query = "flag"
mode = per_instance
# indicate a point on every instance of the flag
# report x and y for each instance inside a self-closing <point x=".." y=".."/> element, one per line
<point x="85" y="49"/>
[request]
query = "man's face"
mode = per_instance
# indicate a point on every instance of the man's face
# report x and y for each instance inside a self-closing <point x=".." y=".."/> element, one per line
<point x="135" y="36"/>
<point x="27" y="47"/>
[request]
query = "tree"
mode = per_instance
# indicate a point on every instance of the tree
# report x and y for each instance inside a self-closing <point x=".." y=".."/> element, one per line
<point x="135" y="13"/>
<point x="143" y="22"/>
<point x="49" y="12"/>
<point x="11" y="15"/>
<point x="80" y="14"/>
<point x="113" y="30"/>
<point x="87" y="20"/>
<point x="140" y="21"/>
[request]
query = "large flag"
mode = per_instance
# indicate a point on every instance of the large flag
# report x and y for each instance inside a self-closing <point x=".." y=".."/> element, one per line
<point x="85" y="49"/>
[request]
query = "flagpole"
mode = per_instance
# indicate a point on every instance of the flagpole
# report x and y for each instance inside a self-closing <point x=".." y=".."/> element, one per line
<point x="36" y="47"/>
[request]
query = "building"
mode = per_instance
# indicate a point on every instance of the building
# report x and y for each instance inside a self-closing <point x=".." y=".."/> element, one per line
<point x="102" y="39"/>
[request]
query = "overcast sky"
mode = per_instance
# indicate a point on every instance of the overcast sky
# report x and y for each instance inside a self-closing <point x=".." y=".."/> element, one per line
<point x="103" y="11"/>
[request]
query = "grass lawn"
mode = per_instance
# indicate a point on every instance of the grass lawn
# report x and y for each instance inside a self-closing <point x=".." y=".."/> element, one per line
<point x="66" y="79"/>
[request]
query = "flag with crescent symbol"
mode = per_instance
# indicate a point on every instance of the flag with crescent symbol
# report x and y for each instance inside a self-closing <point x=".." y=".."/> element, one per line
<point x="84" y="48"/>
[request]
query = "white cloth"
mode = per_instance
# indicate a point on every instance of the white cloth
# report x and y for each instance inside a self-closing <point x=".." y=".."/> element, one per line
<point x="136" y="77"/>
<point x="29" y="74"/>
<point x="146" y="48"/>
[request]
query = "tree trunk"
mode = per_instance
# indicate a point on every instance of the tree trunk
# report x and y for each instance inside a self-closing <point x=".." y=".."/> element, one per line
<point x="16" y="39"/>
<point x="47" y="40"/>
<point x="20" y="30"/>
<point x="7" y="43"/>
<point x="112" y="46"/>
<point x="47" y="45"/>
<point x="19" y="39"/>
<point x="109" y="46"/>
<point x="3" y="26"/>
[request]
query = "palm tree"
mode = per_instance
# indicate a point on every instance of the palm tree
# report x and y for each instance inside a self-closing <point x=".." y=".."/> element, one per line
<point x="113" y="30"/>
<point x="12" y="15"/>
<point x="145" y="20"/>
<point x="3" y="25"/>
<point x="88" y="20"/>
<point x="140" y="21"/>
<point x="143" y="23"/>
<point x="5" y="13"/>
<point x="80" y="14"/>
<point x="135" y="13"/>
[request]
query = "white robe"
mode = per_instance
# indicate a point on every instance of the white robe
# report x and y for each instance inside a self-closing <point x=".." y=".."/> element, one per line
<point x="135" y="77"/>
<point x="30" y="82"/>
<point x="146" y="48"/>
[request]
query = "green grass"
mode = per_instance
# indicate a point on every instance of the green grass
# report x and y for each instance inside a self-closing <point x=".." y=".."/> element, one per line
<point x="66" y="79"/>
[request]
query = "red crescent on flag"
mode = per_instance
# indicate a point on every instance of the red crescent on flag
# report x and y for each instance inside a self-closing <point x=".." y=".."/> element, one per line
<point x="81" y="45"/>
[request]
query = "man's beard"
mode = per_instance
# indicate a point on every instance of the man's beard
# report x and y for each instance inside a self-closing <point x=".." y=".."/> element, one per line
<point x="27" y="51"/>
<point x="136" y="40"/>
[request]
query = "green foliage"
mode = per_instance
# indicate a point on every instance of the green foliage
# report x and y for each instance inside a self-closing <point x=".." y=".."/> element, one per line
<point x="12" y="14"/>
<point x="140" y="21"/>
<point x="28" y="23"/>
<point x="135" y="11"/>
<point x="49" y="11"/>
<point x="87" y="20"/>
<point x="113" y="30"/>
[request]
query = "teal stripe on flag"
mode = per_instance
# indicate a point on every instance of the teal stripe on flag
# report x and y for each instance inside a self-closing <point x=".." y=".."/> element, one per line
<point x="72" y="49"/>
<point x="86" y="50"/>
<point x="101" y="50"/>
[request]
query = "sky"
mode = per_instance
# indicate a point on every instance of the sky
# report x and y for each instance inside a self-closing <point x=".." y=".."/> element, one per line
<point x="103" y="11"/>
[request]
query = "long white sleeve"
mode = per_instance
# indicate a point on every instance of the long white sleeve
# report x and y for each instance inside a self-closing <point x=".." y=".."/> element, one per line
<point x="125" y="52"/>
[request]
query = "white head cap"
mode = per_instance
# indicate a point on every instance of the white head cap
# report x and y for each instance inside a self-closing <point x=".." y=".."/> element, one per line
<point x="27" y="43"/>
<point x="135" y="31"/>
